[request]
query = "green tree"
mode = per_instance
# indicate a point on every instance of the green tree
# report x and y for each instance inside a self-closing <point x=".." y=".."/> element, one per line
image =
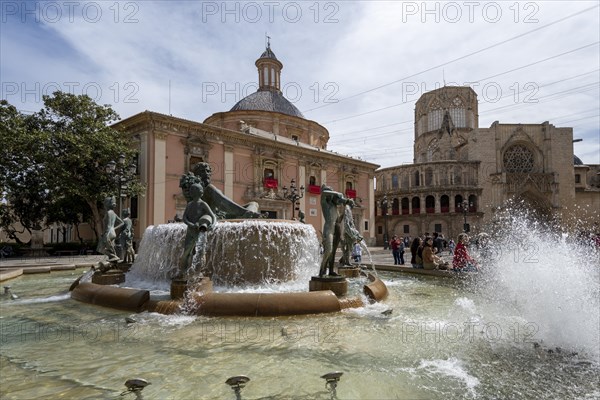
<point x="57" y="158"/>
<point x="22" y="176"/>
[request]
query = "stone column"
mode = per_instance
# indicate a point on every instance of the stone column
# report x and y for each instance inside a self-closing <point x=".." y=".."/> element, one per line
<point x="302" y="182"/>
<point x="160" y="177"/>
<point x="229" y="171"/>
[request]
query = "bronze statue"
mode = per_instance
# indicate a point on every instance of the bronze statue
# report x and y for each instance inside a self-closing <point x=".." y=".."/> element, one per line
<point x="199" y="218"/>
<point x="126" y="238"/>
<point x="222" y="205"/>
<point x="106" y="244"/>
<point x="332" y="230"/>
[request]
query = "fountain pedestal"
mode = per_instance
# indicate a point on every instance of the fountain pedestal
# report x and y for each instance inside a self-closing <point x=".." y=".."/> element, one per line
<point x="197" y="285"/>
<point x="178" y="288"/>
<point x="337" y="284"/>
<point x="349" y="271"/>
<point x="110" y="277"/>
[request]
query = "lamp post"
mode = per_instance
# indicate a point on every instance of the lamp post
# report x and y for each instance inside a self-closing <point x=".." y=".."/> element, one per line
<point x="465" y="207"/>
<point x="293" y="194"/>
<point x="121" y="175"/>
<point x="384" y="208"/>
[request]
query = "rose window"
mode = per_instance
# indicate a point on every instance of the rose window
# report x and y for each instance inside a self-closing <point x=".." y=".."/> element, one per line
<point x="518" y="159"/>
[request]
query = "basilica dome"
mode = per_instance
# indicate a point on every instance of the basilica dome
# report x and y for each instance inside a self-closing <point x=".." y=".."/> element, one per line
<point x="267" y="100"/>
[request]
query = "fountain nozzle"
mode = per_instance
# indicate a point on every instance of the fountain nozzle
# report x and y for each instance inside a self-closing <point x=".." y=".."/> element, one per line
<point x="7" y="292"/>
<point x="237" y="383"/>
<point x="331" y="381"/>
<point x="136" y="385"/>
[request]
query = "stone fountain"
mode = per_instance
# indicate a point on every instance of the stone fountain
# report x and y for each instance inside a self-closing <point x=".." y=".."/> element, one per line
<point x="236" y="252"/>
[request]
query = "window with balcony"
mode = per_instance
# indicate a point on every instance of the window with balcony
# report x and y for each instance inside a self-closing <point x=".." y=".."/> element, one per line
<point x="458" y="199"/>
<point x="416" y="205"/>
<point x="395" y="207"/>
<point x="429" y="204"/>
<point x="350" y="192"/>
<point x="445" y="204"/>
<point x="269" y="180"/>
<point x="313" y="187"/>
<point x="405" y="206"/>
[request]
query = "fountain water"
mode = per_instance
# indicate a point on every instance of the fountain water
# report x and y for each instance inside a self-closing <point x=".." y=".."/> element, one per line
<point x="238" y="252"/>
<point x="553" y="283"/>
<point x="492" y="337"/>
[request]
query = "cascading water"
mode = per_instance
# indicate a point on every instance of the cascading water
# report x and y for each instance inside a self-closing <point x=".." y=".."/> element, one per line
<point x="159" y="253"/>
<point x="260" y="252"/>
<point x="554" y="283"/>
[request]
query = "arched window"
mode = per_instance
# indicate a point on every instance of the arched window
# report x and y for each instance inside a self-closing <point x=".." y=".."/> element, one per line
<point x="405" y="206"/>
<point x="444" y="204"/>
<point x="405" y="179"/>
<point x="350" y="192"/>
<point x="395" y="207"/>
<point x="269" y="179"/>
<point x="417" y="179"/>
<point x="312" y="180"/>
<point x="434" y="119"/>
<point x="458" y="203"/>
<point x="429" y="177"/>
<point x="443" y="177"/>
<point x="394" y="181"/>
<point x="457" y="176"/>
<point x="416" y="205"/>
<point x="430" y="204"/>
<point x="472" y="203"/>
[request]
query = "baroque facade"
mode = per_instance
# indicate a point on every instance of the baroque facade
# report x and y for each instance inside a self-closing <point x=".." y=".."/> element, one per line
<point x="462" y="174"/>
<point x="256" y="151"/>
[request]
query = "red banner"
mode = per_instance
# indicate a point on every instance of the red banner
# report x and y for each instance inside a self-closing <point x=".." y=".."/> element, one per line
<point x="270" y="183"/>
<point x="314" y="189"/>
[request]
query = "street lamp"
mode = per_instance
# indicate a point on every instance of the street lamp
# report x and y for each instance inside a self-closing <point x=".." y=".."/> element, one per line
<point x="121" y="174"/>
<point x="384" y="208"/>
<point x="465" y="207"/>
<point x="293" y="194"/>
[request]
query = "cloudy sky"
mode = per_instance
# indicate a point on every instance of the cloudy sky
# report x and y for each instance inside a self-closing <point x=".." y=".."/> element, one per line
<point x="356" y="67"/>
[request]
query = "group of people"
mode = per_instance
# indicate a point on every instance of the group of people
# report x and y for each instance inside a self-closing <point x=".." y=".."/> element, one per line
<point x="426" y="253"/>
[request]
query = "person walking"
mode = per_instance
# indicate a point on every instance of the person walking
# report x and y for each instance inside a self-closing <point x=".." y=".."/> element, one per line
<point x="401" y="249"/>
<point x="395" y="245"/>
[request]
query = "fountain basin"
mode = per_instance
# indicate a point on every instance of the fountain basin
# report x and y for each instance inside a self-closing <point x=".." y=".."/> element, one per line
<point x="208" y="303"/>
<point x="111" y="296"/>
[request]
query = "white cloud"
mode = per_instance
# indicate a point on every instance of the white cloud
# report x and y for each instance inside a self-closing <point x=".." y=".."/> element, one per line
<point x="363" y="45"/>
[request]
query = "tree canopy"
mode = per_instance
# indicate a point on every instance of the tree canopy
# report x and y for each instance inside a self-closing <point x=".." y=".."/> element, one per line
<point x="53" y="168"/>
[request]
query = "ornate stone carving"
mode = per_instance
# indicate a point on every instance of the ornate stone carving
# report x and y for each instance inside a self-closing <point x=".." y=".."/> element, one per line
<point x="518" y="159"/>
